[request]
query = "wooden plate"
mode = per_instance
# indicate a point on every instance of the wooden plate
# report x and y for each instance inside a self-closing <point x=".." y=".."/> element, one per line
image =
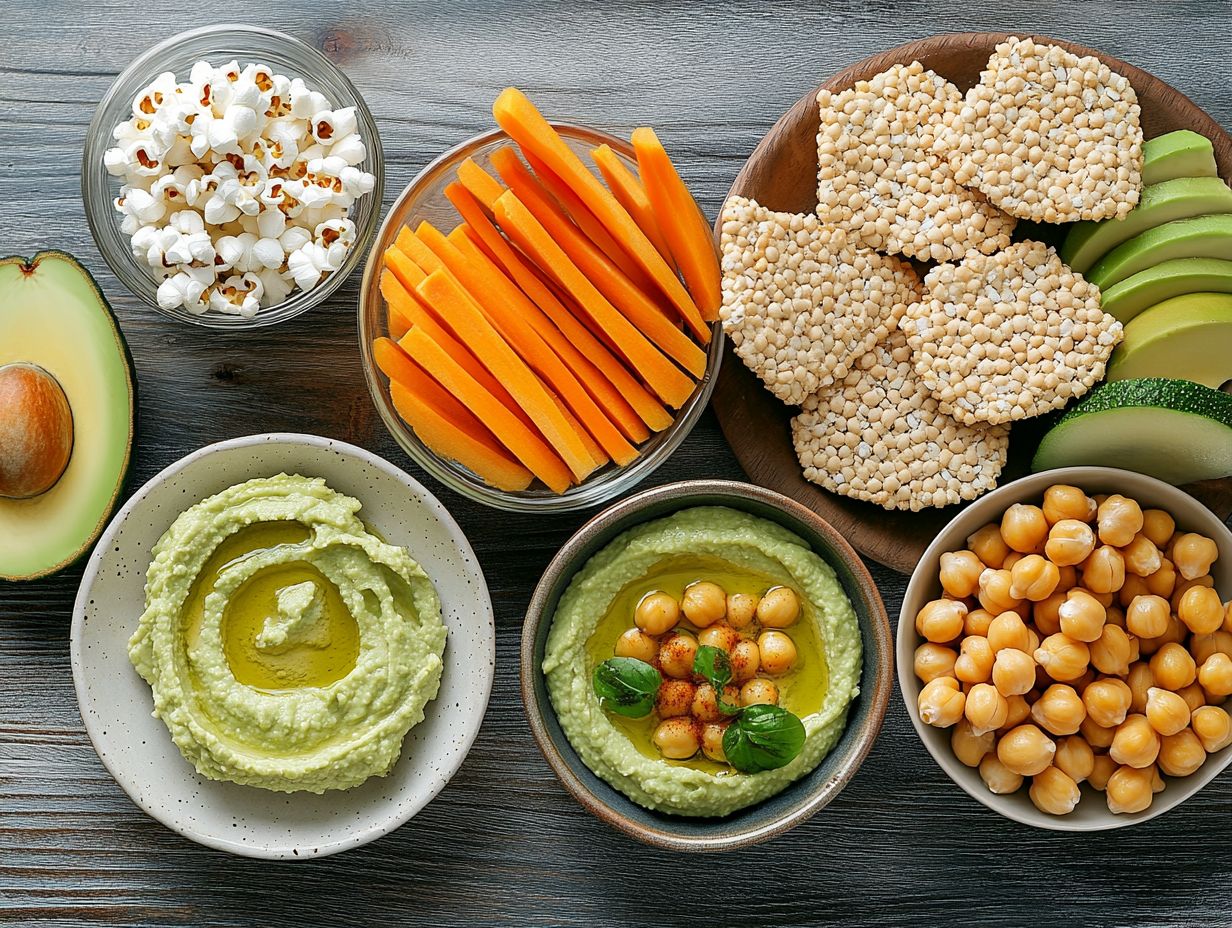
<point x="782" y="174"/>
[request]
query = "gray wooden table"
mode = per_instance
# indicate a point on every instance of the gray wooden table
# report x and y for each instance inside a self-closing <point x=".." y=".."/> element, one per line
<point x="503" y="842"/>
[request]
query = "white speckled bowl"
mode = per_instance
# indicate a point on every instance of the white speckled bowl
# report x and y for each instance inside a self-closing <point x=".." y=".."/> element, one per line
<point x="116" y="704"/>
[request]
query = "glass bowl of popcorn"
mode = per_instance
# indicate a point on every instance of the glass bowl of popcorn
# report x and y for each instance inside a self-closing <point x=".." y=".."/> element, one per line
<point x="232" y="177"/>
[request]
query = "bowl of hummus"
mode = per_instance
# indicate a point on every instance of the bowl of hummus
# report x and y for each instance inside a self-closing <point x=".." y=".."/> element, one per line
<point x="283" y="646"/>
<point x="705" y="665"/>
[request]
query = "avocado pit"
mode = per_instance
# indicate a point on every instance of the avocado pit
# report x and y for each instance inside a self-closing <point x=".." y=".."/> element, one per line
<point x="36" y="431"/>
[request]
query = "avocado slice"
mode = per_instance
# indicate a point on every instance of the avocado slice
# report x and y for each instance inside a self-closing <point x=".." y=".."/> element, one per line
<point x="1200" y="237"/>
<point x="1183" y="153"/>
<point x="1174" y="430"/>
<point x="53" y="316"/>
<point x="1180" y="198"/>
<point x="1139" y="292"/>
<point x="1187" y="337"/>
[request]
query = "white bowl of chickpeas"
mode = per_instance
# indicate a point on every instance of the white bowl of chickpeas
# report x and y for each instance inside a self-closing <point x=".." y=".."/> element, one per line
<point x="1065" y="648"/>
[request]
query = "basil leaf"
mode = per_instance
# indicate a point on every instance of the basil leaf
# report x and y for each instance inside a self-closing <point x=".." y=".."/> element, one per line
<point x="714" y="665"/>
<point x="763" y="738"/>
<point x="627" y="686"/>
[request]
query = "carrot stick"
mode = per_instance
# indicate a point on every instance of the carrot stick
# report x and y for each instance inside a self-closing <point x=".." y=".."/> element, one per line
<point x="630" y="194"/>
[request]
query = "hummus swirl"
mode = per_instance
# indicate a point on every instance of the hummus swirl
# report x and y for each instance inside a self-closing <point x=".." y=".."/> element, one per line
<point x="298" y="736"/>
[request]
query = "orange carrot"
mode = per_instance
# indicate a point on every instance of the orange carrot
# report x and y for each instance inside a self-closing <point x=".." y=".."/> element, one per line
<point x="630" y="194"/>
<point x="417" y="251"/>
<point x="485" y="188"/>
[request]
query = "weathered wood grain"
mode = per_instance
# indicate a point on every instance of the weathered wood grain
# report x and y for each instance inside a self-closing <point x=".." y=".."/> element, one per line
<point x="503" y="843"/>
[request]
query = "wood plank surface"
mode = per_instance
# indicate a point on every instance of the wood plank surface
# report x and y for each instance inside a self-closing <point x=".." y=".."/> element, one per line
<point x="504" y="843"/>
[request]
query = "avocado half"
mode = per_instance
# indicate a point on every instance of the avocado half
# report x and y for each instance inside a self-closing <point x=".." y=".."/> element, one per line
<point x="54" y="316"/>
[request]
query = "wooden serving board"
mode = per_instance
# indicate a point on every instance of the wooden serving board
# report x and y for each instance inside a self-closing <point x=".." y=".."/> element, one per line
<point x="782" y="174"/>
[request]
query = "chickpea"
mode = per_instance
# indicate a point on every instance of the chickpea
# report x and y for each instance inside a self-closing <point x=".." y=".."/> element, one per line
<point x="1133" y="586"/>
<point x="720" y="636"/>
<point x="1184" y="586"/>
<point x="971" y="748"/>
<point x="1163" y="581"/>
<point x="933" y="660"/>
<point x="675" y="698"/>
<point x="1013" y="672"/>
<point x="703" y="603"/>
<point x="985" y="709"/>
<point x="676" y="654"/>
<point x="1130" y="790"/>
<point x="741" y="607"/>
<point x="1054" y="791"/>
<point x="657" y="613"/>
<point x="974" y="664"/>
<point x="676" y="738"/>
<point x="1119" y="519"/>
<point x="1136" y="743"/>
<point x="1082" y="616"/>
<point x="780" y="608"/>
<point x="1069" y="542"/>
<point x="1033" y="578"/>
<point x="999" y="778"/>
<point x="705" y="706"/>
<point x="1139" y="679"/>
<point x="1068" y="578"/>
<point x="778" y="652"/>
<point x="1104" y="570"/>
<point x="1203" y="646"/>
<point x="1062" y="657"/>
<point x="1011" y="559"/>
<point x="1181" y="754"/>
<point x="1026" y="750"/>
<point x="1102" y="770"/>
<point x="1114" y="615"/>
<point x="1008" y="630"/>
<point x="1024" y="528"/>
<point x="1194" y="696"/>
<point x="636" y="643"/>
<point x="1075" y="757"/>
<point x="1201" y="610"/>
<point x="1107" y="702"/>
<point x="1227" y="616"/>
<point x="995" y="591"/>
<point x="1158" y="526"/>
<point x="977" y="622"/>
<point x="1098" y="737"/>
<point x="1112" y="652"/>
<point x="1065" y="502"/>
<point x="941" y="620"/>
<point x="1167" y="712"/>
<point x="1213" y="727"/>
<point x="746" y="660"/>
<point x="1059" y="711"/>
<point x="1019" y="712"/>
<point x="1046" y="613"/>
<point x="1173" y="667"/>
<point x="762" y="692"/>
<point x="1193" y="555"/>
<point x="1142" y="558"/>
<point x="960" y="573"/>
<point x="940" y="703"/>
<point x="1104" y="599"/>
<point x="988" y="545"/>
<point x="1147" y="616"/>
<point x="1215" y="675"/>
<point x="712" y="741"/>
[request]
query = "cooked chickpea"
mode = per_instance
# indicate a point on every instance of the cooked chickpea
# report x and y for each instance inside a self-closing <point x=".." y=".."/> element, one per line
<point x="712" y="741"/>
<point x="1215" y="675"/>
<point x="1059" y="711"/>
<point x="941" y="620"/>
<point x="1008" y="630"/>
<point x="1173" y="667"/>
<point x="1136" y="743"/>
<point x="720" y="636"/>
<point x="1184" y="586"/>
<point x="1067" y="578"/>
<point x="1082" y="616"/>
<point x="1141" y="556"/>
<point x="1114" y="615"/>
<point x="676" y="654"/>
<point x="1158" y="526"/>
<point x="1193" y="555"/>
<point x="1063" y="658"/>
<point x="1065" y="502"/>
<point x="1163" y="581"/>
<point x="780" y="608"/>
<point x="636" y="643"/>
<point x="1054" y="791"/>
<point x="1098" y="737"/>
<point x="703" y="603"/>
<point x="941" y="702"/>
<point x="746" y="660"/>
<point x="705" y="707"/>
<point x="1132" y="587"/>
<point x="1203" y="646"/>
<point x="762" y="692"/>
<point x="985" y="709"/>
<point x="1024" y="528"/>
<point x="960" y="573"/>
<point x="999" y="778"/>
<point x="1010" y="560"/>
<point x="994" y="592"/>
<point x="977" y="622"/>
<point x="741" y="608"/>
<point x="1103" y="768"/>
<point x="933" y="660"/>
<point x="1194" y="696"/>
<point x="1046" y="613"/>
<point x="657" y="613"/>
<point x="1227" y="616"/>
<point x="1107" y="702"/>
<point x="974" y="664"/>
<point x="1104" y="599"/>
<point x="1181" y="754"/>
<point x="676" y="738"/>
<point x="1104" y="570"/>
<point x="987" y="544"/>
<point x="1130" y="790"/>
<point x="1075" y="757"/>
<point x="1139" y="679"/>
<point x="778" y="652"/>
<point x="1069" y="542"/>
<point x="675" y="698"/>
<point x="1167" y="712"/>
<point x="1213" y="727"/>
<point x="1026" y="750"/>
<point x="1112" y="652"/>
<point x="1013" y="672"/>
<point x="1147" y="616"/>
<point x="1119" y="519"/>
<point x="1019" y="711"/>
<point x="1033" y="578"/>
<point x="971" y="748"/>
<point x="1201" y="610"/>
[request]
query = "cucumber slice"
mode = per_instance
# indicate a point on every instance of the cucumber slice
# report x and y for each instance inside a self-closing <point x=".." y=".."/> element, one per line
<point x="1164" y="281"/>
<point x="1201" y="237"/>
<point x="1183" y="153"/>
<point x="1174" y="430"/>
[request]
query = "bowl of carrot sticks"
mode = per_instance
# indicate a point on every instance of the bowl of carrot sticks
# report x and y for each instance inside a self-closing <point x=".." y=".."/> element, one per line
<point x="538" y="313"/>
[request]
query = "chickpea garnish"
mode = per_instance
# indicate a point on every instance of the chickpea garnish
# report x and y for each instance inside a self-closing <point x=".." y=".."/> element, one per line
<point x="1059" y="711"/>
<point x="1026" y="750"/>
<point x="705" y="705"/>
<point x="1147" y="616"/>
<point x="999" y="778"/>
<point x="1024" y="528"/>
<point x="1215" y="675"/>
<point x="1103" y="768"/>
<point x="994" y="592"/>
<point x="762" y="692"/>
<point x="1130" y="789"/>
<point x="1193" y="555"/>
<point x="1201" y="610"/>
<point x="971" y="748"/>
<point x="1075" y="757"/>
<point x="720" y="636"/>
<point x="780" y="608"/>
<point x="985" y="708"/>
<point x="676" y="654"/>
<point x="1033" y="578"/>
<point x="636" y="643"/>
<point x="657" y="613"/>
<point x="1082" y="616"/>
<point x="934" y="660"/>
<point x="676" y="738"/>
<point x="940" y="703"/>
<point x="987" y="544"/>
<point x="1213" y="727"/>
<point x="1070" y="542"/>
<point x="1104" y="570"/>
<point x="1136" y="743"/>
<point x="960" y="573"/>
<point x="1065" y="502"/>
<point x="1008" y="630"/>
<point x="1119" y="519"/>
<point x="1173" y="667"/>
<point x="1054" y="791"/>
<point x="1158" y="526"/>
<point x="1112" y="651"/>
<point x="1063" y="658"/>
<point x="941" y="620"/>
<point x="741" y="608"/>
<point x="1141" y="556"/>
<point x="746" y="660"/>
<point x="975" y="660"/>
<point x="712" y="741"/>
<point x="675" y="698"/>
<point x="1181" y="754"/>
<point x="703" y="603"/>
<point x="777" y="651"/>
<point x="1013" y="672"/>
<point x="1168" y="712"/>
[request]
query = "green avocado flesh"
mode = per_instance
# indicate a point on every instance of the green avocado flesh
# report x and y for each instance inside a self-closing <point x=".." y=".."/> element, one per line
<point x="1175" y="430"/>
<point x="1168" y="279"/>
<point x="1180" y="198"/>
<point x="1188" y="337"/>
<point x="1201" y="237"/>
<point x="1183" y="153"/>
<point x="52" y="314"/>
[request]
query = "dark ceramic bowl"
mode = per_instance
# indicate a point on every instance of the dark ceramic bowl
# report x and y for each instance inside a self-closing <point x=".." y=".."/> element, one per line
<point x="799" y="800"/>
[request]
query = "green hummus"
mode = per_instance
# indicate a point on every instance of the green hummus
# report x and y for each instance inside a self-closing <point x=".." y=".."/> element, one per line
<point x="287" y="646"/>
<point x="747" y="544"/>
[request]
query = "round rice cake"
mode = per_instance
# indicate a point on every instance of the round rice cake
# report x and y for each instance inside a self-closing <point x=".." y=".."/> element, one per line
<point x="879" y="436"/>
<point x="800" y="303"/>
<point x="1048" y="135"/>
<point x="880" y="178"/>
<point x="1009" y="336"/>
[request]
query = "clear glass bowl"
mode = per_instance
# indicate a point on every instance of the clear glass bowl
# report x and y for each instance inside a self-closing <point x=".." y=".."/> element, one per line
<point x="424" y="198"/>
<point x="218" y="45"/>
